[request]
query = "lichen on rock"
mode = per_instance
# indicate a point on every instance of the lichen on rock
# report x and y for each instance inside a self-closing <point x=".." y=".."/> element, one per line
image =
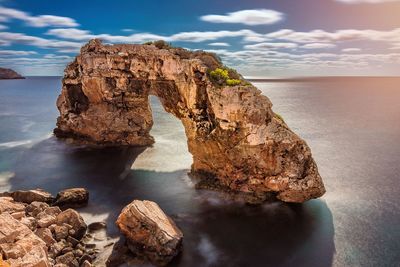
<point x="236" y="140"/>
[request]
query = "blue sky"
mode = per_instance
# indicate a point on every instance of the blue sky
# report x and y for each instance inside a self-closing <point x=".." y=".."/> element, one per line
<point x="258" y="37"/>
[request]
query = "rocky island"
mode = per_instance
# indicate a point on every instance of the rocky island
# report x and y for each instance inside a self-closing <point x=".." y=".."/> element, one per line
<point x="6" y="74"/>
<point x="239" y="145"/>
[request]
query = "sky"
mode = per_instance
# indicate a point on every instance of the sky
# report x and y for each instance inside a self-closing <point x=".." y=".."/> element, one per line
<point x="259" y="38"/>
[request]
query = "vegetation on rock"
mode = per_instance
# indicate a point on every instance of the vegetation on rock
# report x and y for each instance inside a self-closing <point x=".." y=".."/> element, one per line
<point x="160" y="44"/>
<point x="225" y="76"/>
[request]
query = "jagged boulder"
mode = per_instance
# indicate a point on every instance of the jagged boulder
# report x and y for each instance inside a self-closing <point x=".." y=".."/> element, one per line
<point x="149" y="232"/>
<point x="73" y="218"/>
<point x="238" y="143"/>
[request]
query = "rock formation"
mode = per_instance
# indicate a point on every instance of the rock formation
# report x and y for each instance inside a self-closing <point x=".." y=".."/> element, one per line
<point x="9" y="74"/>
<point x="149" y="232"/>
<point x="33" y="233"/>
<point x="238" y="143"/>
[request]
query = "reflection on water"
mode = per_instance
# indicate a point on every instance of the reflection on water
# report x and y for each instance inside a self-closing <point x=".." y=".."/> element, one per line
<point x="350" y="126"/>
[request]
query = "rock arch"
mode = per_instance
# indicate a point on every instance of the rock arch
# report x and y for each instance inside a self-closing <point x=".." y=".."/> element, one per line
<point x="237" y="142"/>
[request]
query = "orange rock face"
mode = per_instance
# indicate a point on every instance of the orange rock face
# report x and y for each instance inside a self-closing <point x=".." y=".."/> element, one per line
<point x="149" y="232"/>
<point x="237" y="142"/>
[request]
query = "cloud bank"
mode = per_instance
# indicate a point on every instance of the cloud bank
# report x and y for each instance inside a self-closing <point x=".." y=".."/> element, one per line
<point x="36" y="21"/>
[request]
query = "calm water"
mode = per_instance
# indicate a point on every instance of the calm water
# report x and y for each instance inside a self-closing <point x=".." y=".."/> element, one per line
<point x="352" y="126"/>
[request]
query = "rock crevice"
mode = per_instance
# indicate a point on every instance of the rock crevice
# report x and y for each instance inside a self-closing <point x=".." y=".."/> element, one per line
<point x="233" y="134"/>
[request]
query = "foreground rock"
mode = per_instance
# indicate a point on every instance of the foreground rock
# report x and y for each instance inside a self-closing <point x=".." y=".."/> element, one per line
<point x="238" y="143"/>
<point x="19" y="245"/>
<point x="149" y="232"/>
<point x="30" y="196"/>
<point x="40" y="235"/>
<point x="68" y="198"/>
<point x="72" y="198"/>
<point x="9" y="74"/>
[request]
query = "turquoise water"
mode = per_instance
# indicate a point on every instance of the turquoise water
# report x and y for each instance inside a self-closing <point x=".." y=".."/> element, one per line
<point x="352" y="126"/>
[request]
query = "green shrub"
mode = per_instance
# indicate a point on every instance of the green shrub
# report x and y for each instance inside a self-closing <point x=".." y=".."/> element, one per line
<point x="219" y="75"/>
<point x="223" y="76"/>
<point x="233" y="82"/>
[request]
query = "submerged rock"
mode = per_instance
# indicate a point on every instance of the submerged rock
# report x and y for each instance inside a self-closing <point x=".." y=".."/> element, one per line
<point x="72" y="198"/>
<point x="9" y="74"/>
<point x="149" y="232"/>
<point x="237" y="141"/>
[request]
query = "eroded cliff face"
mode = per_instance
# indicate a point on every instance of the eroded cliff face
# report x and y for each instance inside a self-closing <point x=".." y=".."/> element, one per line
<point x="236" y="140"/>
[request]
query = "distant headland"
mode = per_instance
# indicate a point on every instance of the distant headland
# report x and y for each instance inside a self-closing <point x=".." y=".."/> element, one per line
<point x="6" y="74"/>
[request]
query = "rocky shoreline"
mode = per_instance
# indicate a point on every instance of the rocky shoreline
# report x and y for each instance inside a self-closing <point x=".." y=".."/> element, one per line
<point x="39" y="230"/>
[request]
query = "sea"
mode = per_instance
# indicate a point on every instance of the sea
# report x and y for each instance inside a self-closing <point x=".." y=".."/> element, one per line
<point x="352" y="125"/>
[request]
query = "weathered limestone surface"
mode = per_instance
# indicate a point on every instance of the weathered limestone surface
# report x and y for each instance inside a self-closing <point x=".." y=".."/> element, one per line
<point x="150" y="232"/>
<point x="236" y="140"/>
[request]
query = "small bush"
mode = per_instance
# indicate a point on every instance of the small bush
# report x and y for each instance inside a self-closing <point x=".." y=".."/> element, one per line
<point x="222" y="76"/>
<point x="233" y="82"/>
<point x="219" y="75"/>
<point x="160" y="44"/>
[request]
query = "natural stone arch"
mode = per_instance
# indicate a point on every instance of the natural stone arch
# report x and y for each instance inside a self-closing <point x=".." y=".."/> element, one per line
<point x="237" y="142"/>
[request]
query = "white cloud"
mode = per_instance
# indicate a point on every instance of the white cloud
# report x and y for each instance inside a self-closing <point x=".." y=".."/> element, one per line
<point x="262" y="62"/>
<point x="315" y="39"/>
<point x="318" y="46"/>
<point x="19" y="38"/>
<point x="16" y="53"/>
<point x="395" y="46"/>
<point x="36" y="21"/>
<point x="271" y="46"/>
<point x="247" y="17"/>
<point x="2" y="27"/>
<point x="127" y="30"/>
<point x="351" y="50"/>
<point x="219" y="44"/>
<point x="206" y="36"/>
<point x="53" y="56"/>
<point x="321" y="36"/>
<point x="195" y="36"/>
<point x="366" y="1"/>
